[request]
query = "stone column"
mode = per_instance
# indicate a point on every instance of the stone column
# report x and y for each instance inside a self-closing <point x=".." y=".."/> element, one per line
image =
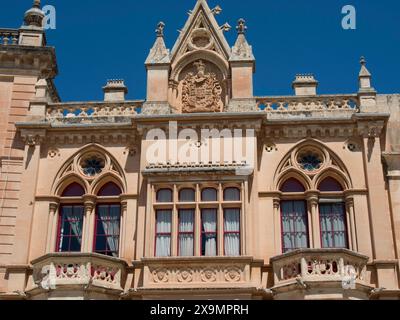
<point x="393" y="177"/>
<point x="315" y="232"/>
<point x="123" y="226"/>
<point x="88" y="223"/>
<point x="379" y="208"/>
<point x="277" y="226"/>
<point x="52" y="227"/>
<point x="351" y="224"/>
<point x="23" y="230"/>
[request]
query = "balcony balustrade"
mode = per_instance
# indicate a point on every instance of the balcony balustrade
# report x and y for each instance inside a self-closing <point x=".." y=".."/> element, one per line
<point x="77" y="270"/>
<point x="319" y="266"/>
<point x="9" y="36"/>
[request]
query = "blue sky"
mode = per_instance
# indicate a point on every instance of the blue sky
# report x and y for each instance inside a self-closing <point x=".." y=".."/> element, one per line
<point x="97" y="40"/>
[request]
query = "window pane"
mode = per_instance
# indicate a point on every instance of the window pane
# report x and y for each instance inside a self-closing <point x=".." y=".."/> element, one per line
<point x="209" y="233"/>
<point x="163" y="233"/>
<point x="70" y="229"/>
<point x="294" y="225"/>
<point x="333" y="226"/>
<point x="109" y="190"/>
<point x="73" y="190"/>
<point x="292" y="185"/>
<point x="231" y="194"/>
<point x="187" y="195"/>
<point x="108" y="220"/>
<point x="209" y="195"/>
<point x="164" y="196"/>
<point x="330" y="185"/>
<point x="186" y="233"/>
<point x="232" y="232"/>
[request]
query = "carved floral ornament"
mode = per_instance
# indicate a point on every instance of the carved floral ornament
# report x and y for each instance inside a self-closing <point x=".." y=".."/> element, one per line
<point x="91" y="167"/>
<point x="213" y="274"/>
<point x="201" y="92"/>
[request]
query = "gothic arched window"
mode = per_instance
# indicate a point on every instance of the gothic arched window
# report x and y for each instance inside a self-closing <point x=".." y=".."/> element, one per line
<point x="332" y="214"/>
<point x="108" y="221"/>
<point x="70" y="223"/>
<point x="294" y="217"/>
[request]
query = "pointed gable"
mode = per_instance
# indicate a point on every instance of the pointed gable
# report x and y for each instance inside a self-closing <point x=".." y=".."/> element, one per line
<point x="201" y="32"/>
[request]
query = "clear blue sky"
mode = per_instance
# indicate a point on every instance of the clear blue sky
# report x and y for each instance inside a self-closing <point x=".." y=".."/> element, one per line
<point x="97" y="40"/>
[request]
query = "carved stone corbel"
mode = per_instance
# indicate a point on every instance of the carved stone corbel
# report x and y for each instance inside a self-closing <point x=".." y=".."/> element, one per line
<point x="33" y="138"/>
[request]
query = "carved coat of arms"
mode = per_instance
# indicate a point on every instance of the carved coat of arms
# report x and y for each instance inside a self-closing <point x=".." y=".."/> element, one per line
<point x="201" y="92"/>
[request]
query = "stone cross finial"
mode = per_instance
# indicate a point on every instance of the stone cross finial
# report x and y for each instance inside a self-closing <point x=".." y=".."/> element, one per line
<point x="241" y="27"/>
<point x="160" y="29"/>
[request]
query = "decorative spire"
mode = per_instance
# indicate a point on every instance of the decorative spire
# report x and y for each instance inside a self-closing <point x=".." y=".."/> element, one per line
<point x="160" y="29"/>
<point x="241" y="27"/>
<point x="159" y="54"/>
<point x="242" y="51"/>
<point x="34" y="16"/>
<point x="364" y="77"/>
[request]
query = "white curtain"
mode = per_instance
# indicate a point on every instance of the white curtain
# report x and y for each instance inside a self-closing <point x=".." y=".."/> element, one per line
<point x="232" y="232"/>
<point x="110" y="220"/>
<point x="186" y="230"/>
<point x="163" y="241"/>
<point x="333" y="226"/>
<point x="232" y="194"/>
<point x="209" y="237"/>
<point x="72" y="220"/>
<point x="187" y="195"/>
<point x="294" y="224"/>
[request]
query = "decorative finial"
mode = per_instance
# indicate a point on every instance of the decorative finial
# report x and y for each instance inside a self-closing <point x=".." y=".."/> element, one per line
<point x="34" y="16"/>
<point x="217" y="10"/>
<point x="225" y="27"/>
<point x="241" y="27"/>
<point x="363" y="61"/>
<point x="160" y="29"/>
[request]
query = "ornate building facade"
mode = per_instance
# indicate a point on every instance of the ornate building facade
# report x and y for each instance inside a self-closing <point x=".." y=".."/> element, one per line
<point x="201" y="191"/>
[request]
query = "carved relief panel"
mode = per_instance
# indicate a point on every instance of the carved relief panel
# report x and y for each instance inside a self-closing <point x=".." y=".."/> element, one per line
<point x="201" y="88"/>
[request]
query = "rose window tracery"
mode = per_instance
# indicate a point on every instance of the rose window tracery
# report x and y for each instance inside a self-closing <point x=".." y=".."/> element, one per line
<point x="310" y="161"/>
<point x="92" y="166"/>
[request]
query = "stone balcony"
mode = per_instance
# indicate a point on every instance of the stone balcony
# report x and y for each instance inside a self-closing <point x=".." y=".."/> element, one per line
<point x="77" y="272"/>
<point x="306" y="271"/>
<point x="199" y="274"/>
